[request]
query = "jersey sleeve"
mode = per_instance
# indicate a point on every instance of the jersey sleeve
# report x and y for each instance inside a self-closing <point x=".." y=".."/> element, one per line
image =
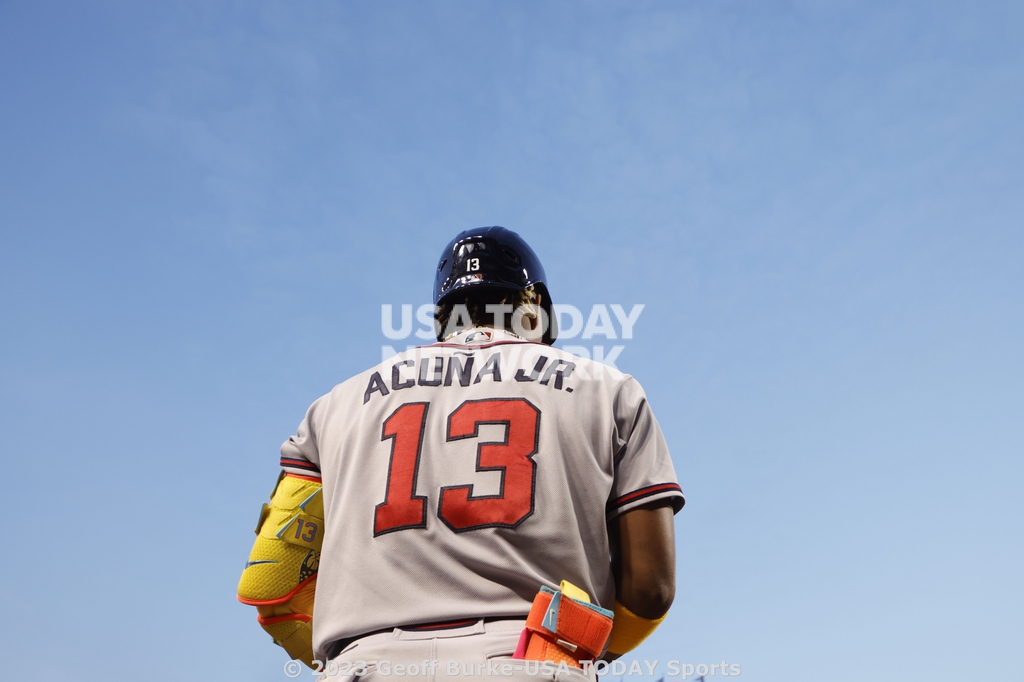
<point x="299" y="454"/>
<point x="643" y="467"/>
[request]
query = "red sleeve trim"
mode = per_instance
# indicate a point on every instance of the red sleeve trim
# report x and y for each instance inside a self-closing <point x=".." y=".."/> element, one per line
<point x="293" y="463"/>
<point x="642" y="493"/>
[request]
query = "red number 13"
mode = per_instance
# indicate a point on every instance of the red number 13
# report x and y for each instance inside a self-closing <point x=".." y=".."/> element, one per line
<point x="458" y="508"/>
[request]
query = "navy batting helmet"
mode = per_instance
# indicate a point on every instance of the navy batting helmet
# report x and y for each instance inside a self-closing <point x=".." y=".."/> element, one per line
<point x="492" y="257"/>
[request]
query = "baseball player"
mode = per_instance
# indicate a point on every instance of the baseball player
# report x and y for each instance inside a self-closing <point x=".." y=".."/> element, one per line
<point x="425" y="504"/>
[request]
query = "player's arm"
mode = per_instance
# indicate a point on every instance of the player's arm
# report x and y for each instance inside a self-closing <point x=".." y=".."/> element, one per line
<point x="280" y="577"/>
<point x="644" y="566"/>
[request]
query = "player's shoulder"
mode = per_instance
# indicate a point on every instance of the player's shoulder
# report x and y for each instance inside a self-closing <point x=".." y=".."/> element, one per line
<point x="356" y="383"/>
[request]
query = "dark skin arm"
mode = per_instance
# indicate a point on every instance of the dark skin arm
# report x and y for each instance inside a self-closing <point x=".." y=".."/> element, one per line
<point x="644" y="559"/>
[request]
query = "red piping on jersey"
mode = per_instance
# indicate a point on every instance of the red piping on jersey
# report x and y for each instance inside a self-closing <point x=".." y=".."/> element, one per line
<point x="303" y="463"/>
<point x="274" y="620"/>
<point x="299" y="464"/>
<point x="279" y="600"/>
<point x="644" y="492"/>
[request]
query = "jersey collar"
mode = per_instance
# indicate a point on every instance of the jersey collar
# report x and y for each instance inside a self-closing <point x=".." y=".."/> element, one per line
<point x="478" y="336"/>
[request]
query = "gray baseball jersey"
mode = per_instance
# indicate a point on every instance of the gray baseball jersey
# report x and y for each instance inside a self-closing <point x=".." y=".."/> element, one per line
<point x="460" y="477"/>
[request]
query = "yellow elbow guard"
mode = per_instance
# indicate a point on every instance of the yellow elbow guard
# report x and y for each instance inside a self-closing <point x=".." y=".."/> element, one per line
<point x="289" y="536"/>
<point x="280" y="575"/>
<point x="630" y="630"/>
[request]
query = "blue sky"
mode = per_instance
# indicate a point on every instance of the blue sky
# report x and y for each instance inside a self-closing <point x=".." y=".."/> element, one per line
<point x="203" y="206"/>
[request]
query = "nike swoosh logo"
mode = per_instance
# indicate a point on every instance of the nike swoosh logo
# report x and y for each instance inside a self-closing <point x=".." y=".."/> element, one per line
<point x="262" y="561"/>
